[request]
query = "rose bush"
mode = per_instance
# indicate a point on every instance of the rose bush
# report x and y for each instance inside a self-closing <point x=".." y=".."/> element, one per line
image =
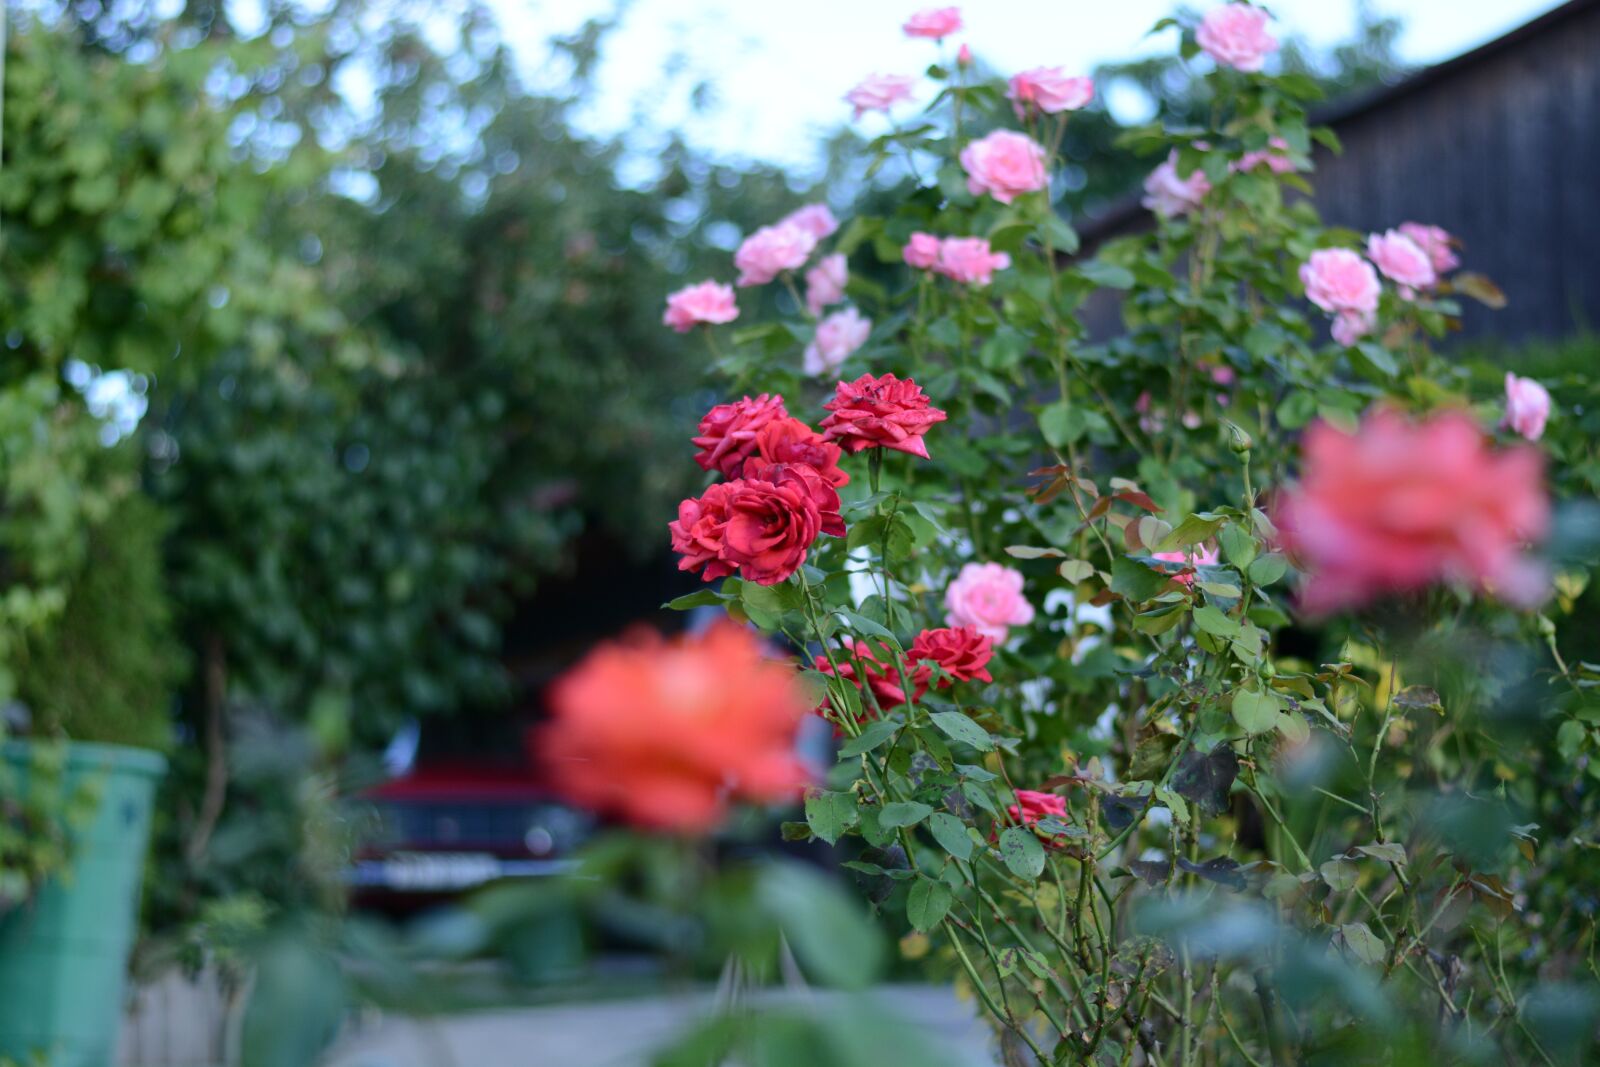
<point x="1196" y="685"/>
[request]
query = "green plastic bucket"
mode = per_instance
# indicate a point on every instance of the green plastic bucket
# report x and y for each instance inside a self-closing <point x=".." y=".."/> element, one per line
<point x="64" y="953"/>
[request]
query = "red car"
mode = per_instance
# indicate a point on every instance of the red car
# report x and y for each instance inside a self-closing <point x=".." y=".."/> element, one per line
<point x="453" y="820"/>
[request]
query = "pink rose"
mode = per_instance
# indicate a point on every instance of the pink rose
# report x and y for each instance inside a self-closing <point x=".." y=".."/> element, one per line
<point x="1398" y="505"/>
<point x="969" y="260"/>
<point x="880" y="92"/>
<point x="1276" y="156"/>
<point x="1401" y="259"/>
<point x="1033" y="806"/>
<point x="837" y="337"/>
<point x="1192" y="557"/>
<point x="772" y="250"/>
<point x="964" y="57"/>
<point x="922" y="251"/>
<point x="1527" y="406"/>
<point x="934" y="22"/>
<point x="1337" y="279"/>
<point x="825" y="282"/>
<point x="1435" y="241"/>
<point x="1005" y="164"/>
<point x="815" y="219"/>
<point x="707" y="302"/>
<point x="1351" y="326"/>
<point x="1235" y="35"/>
<point x="1169" y="195"/>
<point x="1050" y="90"/>
<point x="988" y="597"/>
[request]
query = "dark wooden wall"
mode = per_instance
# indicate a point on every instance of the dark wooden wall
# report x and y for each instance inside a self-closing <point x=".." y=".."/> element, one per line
<point x="1502" y="148"/>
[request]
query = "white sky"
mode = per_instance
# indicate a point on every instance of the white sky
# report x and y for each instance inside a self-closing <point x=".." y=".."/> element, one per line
<point x="778" y="68"/>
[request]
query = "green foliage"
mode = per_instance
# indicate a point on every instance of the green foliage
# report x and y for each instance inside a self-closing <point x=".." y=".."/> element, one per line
<point x="106" y="668"/>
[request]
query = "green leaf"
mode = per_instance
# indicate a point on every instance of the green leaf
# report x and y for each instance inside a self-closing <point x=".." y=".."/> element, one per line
<point x="830" y="933"/>
<point x="703" y="598"/>
<point x="901" y="813"/>
<point x="958" y="727"/>
<point x="927" y="903"/>
<point x="1294" y="728"/>
<point x="875" y="734"/>
<point x="1339" y="875"/>
<point x="1268" y="569"/>
<point x="1063" y="424"/>
<point x="1256" y="712"/>
<point x="951" y="833"/>
<point x="1191" y="531"/>
<point x="830" y="814"/>
<point x="1075" y="570"/>
<point x="1106" y="274"/>
<point x="1237" y="545"/>
<point x="867" y="628"/>
<point x="1213" y="621"/>
<point x="1374" y="360"/>
<point x="1365" y="945"/>
<point x="1388" y="852"/>
<point x="1022" y="852"/>
<point x="1136" y="581"/>
<point x="1032" y="552"/>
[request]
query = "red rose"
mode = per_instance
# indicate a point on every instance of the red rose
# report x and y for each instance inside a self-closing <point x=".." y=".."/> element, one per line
<point x="881" y="676"/>
<point x="1031" y="807"/>
<point x="961" y="650"/>
<point x="769" y="529"/>
<point x="880" y="413"/>
<point x="728" y="432"/>
<point x="789" y="440"/>
<point x="807" y="477"/>
<point x="698" y="532"/>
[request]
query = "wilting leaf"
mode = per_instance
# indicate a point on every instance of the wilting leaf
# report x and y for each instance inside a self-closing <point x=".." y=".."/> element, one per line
<point x="1206" y="778"/>
<point x="1120" y="812"/>
<point x="1480" y="289"/>
<point x="1223" y="870"/>
<point x="1418" y="698"/>
<point x="1388" y="852"/>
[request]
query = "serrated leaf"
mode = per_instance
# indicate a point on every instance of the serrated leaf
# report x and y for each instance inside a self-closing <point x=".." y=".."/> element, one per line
<point x="951" y="833"/>
<point x="1022" y="852"/>
<point x="958" y="727"/>
<point x="830" y="814"/>
<point x="901" y="813"/>
<point x="873" y="735"/>
<point x="927" y="903"/>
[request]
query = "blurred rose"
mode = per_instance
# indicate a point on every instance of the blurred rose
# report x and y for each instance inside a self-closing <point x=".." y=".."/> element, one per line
<point x="665" y="734"/>
<point x="881" y="676"/>
<point x="1397" y="506"/>
<point x="1005" y="164"/>
<point x="728" y="432"/>
<point x="1235" y="35"/>
<point x="1434" y="241"/>
<point x="1275" y="156"/>
<point x="1337" y="279"/>
<point x="1402" y="260"/>
<point x="1032" y="806"/>
<point x="1050" y="90"/>
<point x="1527" y="406"/>
<point x="825" y="282"/>
<point x="1193" y="556"/>
<point x="969" y="260"/>
<point x="837" y="336"/>
<point x="935" y="22"/>
<point x="1169" y="195"/>
<point x="880" y="92"/>
<point x="922" y="251"/>
<point x="815" y="219"/>
<point x="1350" y="327"/>
<point x="772" y="250"/>
<point x="881" y="412"/>
<point x="988" y="597"/>
<point x="708" y="302"/>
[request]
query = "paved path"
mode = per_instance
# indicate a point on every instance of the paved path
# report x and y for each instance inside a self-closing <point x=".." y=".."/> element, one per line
<point x="619" y="1033"/>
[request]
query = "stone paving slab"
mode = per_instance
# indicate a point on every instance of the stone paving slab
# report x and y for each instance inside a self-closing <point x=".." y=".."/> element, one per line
<point x="619" y="1033"/>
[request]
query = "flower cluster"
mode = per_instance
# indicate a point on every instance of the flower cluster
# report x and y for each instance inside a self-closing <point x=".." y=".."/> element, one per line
<point x="937" y="658"/>
<point x="1341" y="282"/>
<point x="969" y="260"/>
